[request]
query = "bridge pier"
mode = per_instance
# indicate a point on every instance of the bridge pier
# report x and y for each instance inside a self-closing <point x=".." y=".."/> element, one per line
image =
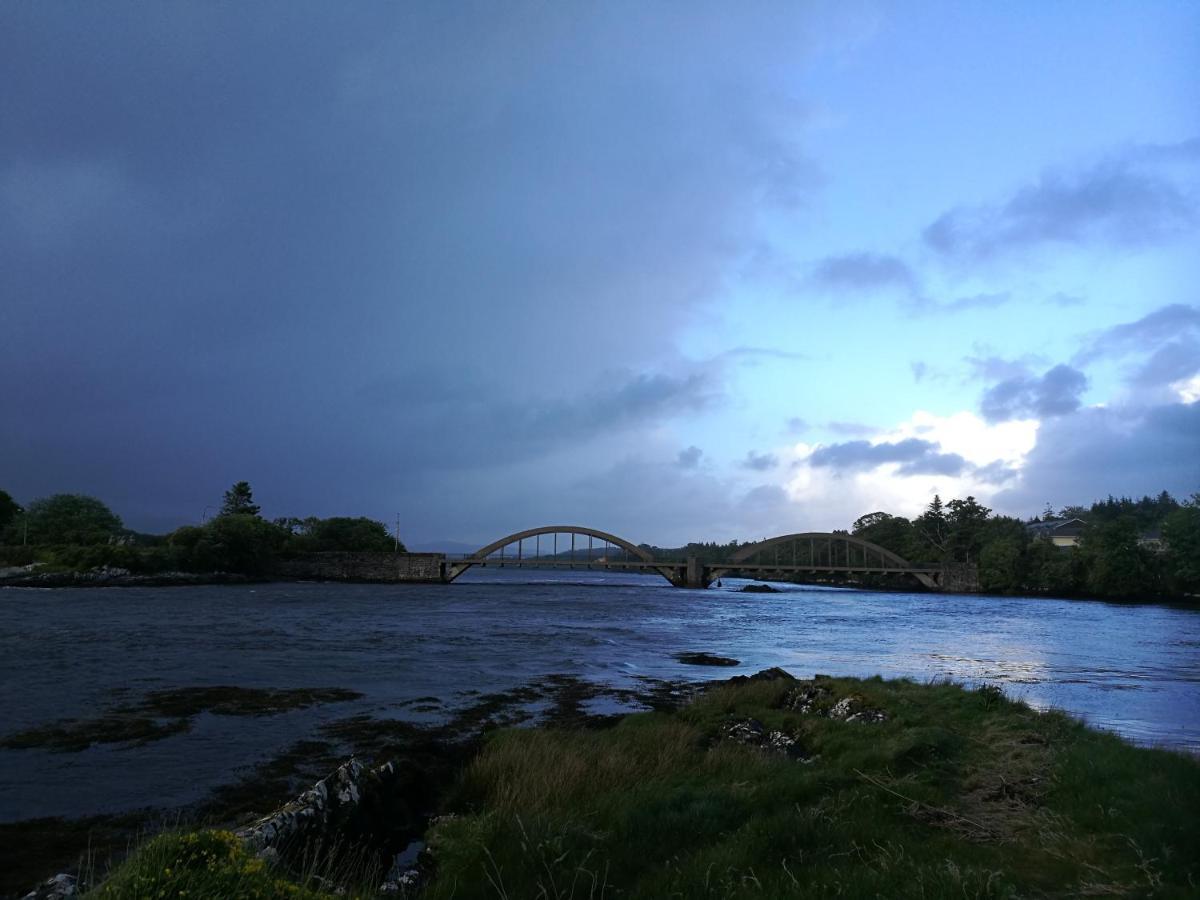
<point x="692" y="575"/>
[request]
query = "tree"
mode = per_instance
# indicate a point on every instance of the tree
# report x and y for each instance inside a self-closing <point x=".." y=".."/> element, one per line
<point x="1051" y="569"/>
<point x="1181" y="532"/>
<point x="351" y="534"/>
<point x="9" y="510"/>
<point x="1000" y="565"/>
<point x="1116" y="565"/>
<point x="71" y="519"/>
<point x="965" y="521"/>
<point x="931" y="528"/>
<point x="239" y="501"/>
<point x="870" y="520"/>
<point x="893" y="533"/>
<point x="240" y="543"/>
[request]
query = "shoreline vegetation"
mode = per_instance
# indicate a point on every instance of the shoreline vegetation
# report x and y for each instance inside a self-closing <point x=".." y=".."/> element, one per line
<point x="760" y="786"/>
<point x="1145" y="550"/>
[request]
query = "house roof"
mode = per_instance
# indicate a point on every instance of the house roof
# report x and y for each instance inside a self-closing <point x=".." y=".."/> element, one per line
<point x="1058" y="527"/>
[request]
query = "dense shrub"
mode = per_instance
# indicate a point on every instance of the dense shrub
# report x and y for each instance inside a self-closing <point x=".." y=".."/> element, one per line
<point x="66" y="519"/>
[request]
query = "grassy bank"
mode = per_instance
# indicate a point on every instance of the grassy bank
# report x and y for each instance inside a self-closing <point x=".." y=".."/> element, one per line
<point x="774" y="787"/>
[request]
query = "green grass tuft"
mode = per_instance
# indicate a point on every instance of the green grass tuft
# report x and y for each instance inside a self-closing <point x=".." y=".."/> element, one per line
<point x="201" y="864"/>
<point x="959" y="794"/>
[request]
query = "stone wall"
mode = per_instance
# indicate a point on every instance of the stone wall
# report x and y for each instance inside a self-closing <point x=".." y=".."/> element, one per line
<point x="960" y="578"/>
<point x="380" y="567"/>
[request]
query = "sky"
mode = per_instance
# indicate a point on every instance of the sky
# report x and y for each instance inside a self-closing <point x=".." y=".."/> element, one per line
<point x="677" y="271"/>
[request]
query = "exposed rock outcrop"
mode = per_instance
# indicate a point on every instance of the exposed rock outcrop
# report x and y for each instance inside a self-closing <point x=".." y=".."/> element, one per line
<point x="56" y="888"/>
<point x="317" y="810"/>
<point x="816" y="698"/>
<point x="752" y="733"/>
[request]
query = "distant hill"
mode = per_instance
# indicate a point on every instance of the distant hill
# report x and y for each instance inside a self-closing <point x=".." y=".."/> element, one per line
<point x="442" y="547"/>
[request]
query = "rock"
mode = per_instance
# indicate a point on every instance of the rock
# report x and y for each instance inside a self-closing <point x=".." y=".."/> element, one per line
<point x="780" y="742"/>
<point x="851" y="709"/>
<point x="706" y="659"/>
<point x="815" y="699"/>
<point x="807" y="698"/>
<point x="843" y="709"/>
<point x="316" y="809"/>
<point x="54" y="889"/>
<point x="772" y="674"/>
<point x="746" y="731"/>
<point x="760" y="589"/>
<point x="752" y="733"/>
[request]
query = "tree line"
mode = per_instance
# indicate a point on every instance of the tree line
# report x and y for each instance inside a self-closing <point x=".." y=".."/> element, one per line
<point x="1129" y="548"/>
<point x="78" y="532"/>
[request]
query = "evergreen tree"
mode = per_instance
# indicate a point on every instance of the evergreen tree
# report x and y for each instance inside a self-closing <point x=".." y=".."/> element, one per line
<point x="931" y="527"/>
<point x="1116" y="565"/>
<point x="1181" y="531"/>
<point x="965" y="522"/>
<point x="239" y="501"/>
<point x="9" y="510"/>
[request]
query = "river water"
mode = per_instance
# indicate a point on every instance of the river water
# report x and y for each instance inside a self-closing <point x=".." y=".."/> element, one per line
<point x="71" y="654"/>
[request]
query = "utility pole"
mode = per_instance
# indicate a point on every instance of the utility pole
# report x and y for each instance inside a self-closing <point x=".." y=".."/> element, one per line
<point x="397" y="532"/>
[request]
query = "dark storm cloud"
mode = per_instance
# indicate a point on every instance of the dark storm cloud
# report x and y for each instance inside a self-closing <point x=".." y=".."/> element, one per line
<point x="972" y="301"/>
<point x="683" y="505"/>
<point x="689" y="458"/>
<point x="863" y="271"/>
<point x="997" y="472"/>
<point x="998" y="368"/>
<point x="1172" y="362"/>
<point x="1061" y="298"/>
<point x="1127" y="451"/>
<point x="916" y="456"/>
<point x="751" y="356"/>
<point x="863" y="274"/>
<point x="759" y="462"/>
<point x="1130" y="199"/>
<point x="1144" y="335"/>
<point x="1054" y="393"/>
<point x="642" y="398"/>
<point x="217" y="224"/>
<point x="464" y="411"/>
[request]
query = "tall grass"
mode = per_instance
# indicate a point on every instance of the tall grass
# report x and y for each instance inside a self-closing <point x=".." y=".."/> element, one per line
<point x="960" y="794"/>
<point x="215" y="864"/>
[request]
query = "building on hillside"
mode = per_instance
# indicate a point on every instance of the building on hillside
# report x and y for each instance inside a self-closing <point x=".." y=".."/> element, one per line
<point x="1059" y="532"/>
<point x="1152" y="540"/>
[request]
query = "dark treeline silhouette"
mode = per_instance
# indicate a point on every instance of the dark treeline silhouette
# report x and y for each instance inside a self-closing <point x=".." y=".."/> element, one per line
<point x="1118" y="547"/>
<point x="1123" y="548"/>
<point x="73" y="532"/>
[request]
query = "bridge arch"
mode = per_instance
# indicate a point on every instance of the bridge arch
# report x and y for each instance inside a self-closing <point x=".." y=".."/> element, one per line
<point x="484" y="552"/>
<point x="869" y="552"/>
<point x="749" y="550"/>
<point x="455" y="568"/>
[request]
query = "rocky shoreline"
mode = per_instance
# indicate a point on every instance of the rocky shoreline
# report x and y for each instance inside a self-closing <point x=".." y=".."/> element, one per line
<point x="873" y="787"/>
<point x="376" y="764"/>
<point x="27" y="577"/>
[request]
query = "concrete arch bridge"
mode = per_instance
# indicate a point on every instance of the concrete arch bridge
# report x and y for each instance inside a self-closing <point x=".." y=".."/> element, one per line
<point x="578" y="546"/>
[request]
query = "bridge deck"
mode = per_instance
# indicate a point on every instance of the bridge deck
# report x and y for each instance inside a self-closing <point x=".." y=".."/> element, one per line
<point x="537" y="563"/>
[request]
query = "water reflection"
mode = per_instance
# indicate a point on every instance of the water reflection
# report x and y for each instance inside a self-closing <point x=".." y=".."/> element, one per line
<point x="1134" y="669"/>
